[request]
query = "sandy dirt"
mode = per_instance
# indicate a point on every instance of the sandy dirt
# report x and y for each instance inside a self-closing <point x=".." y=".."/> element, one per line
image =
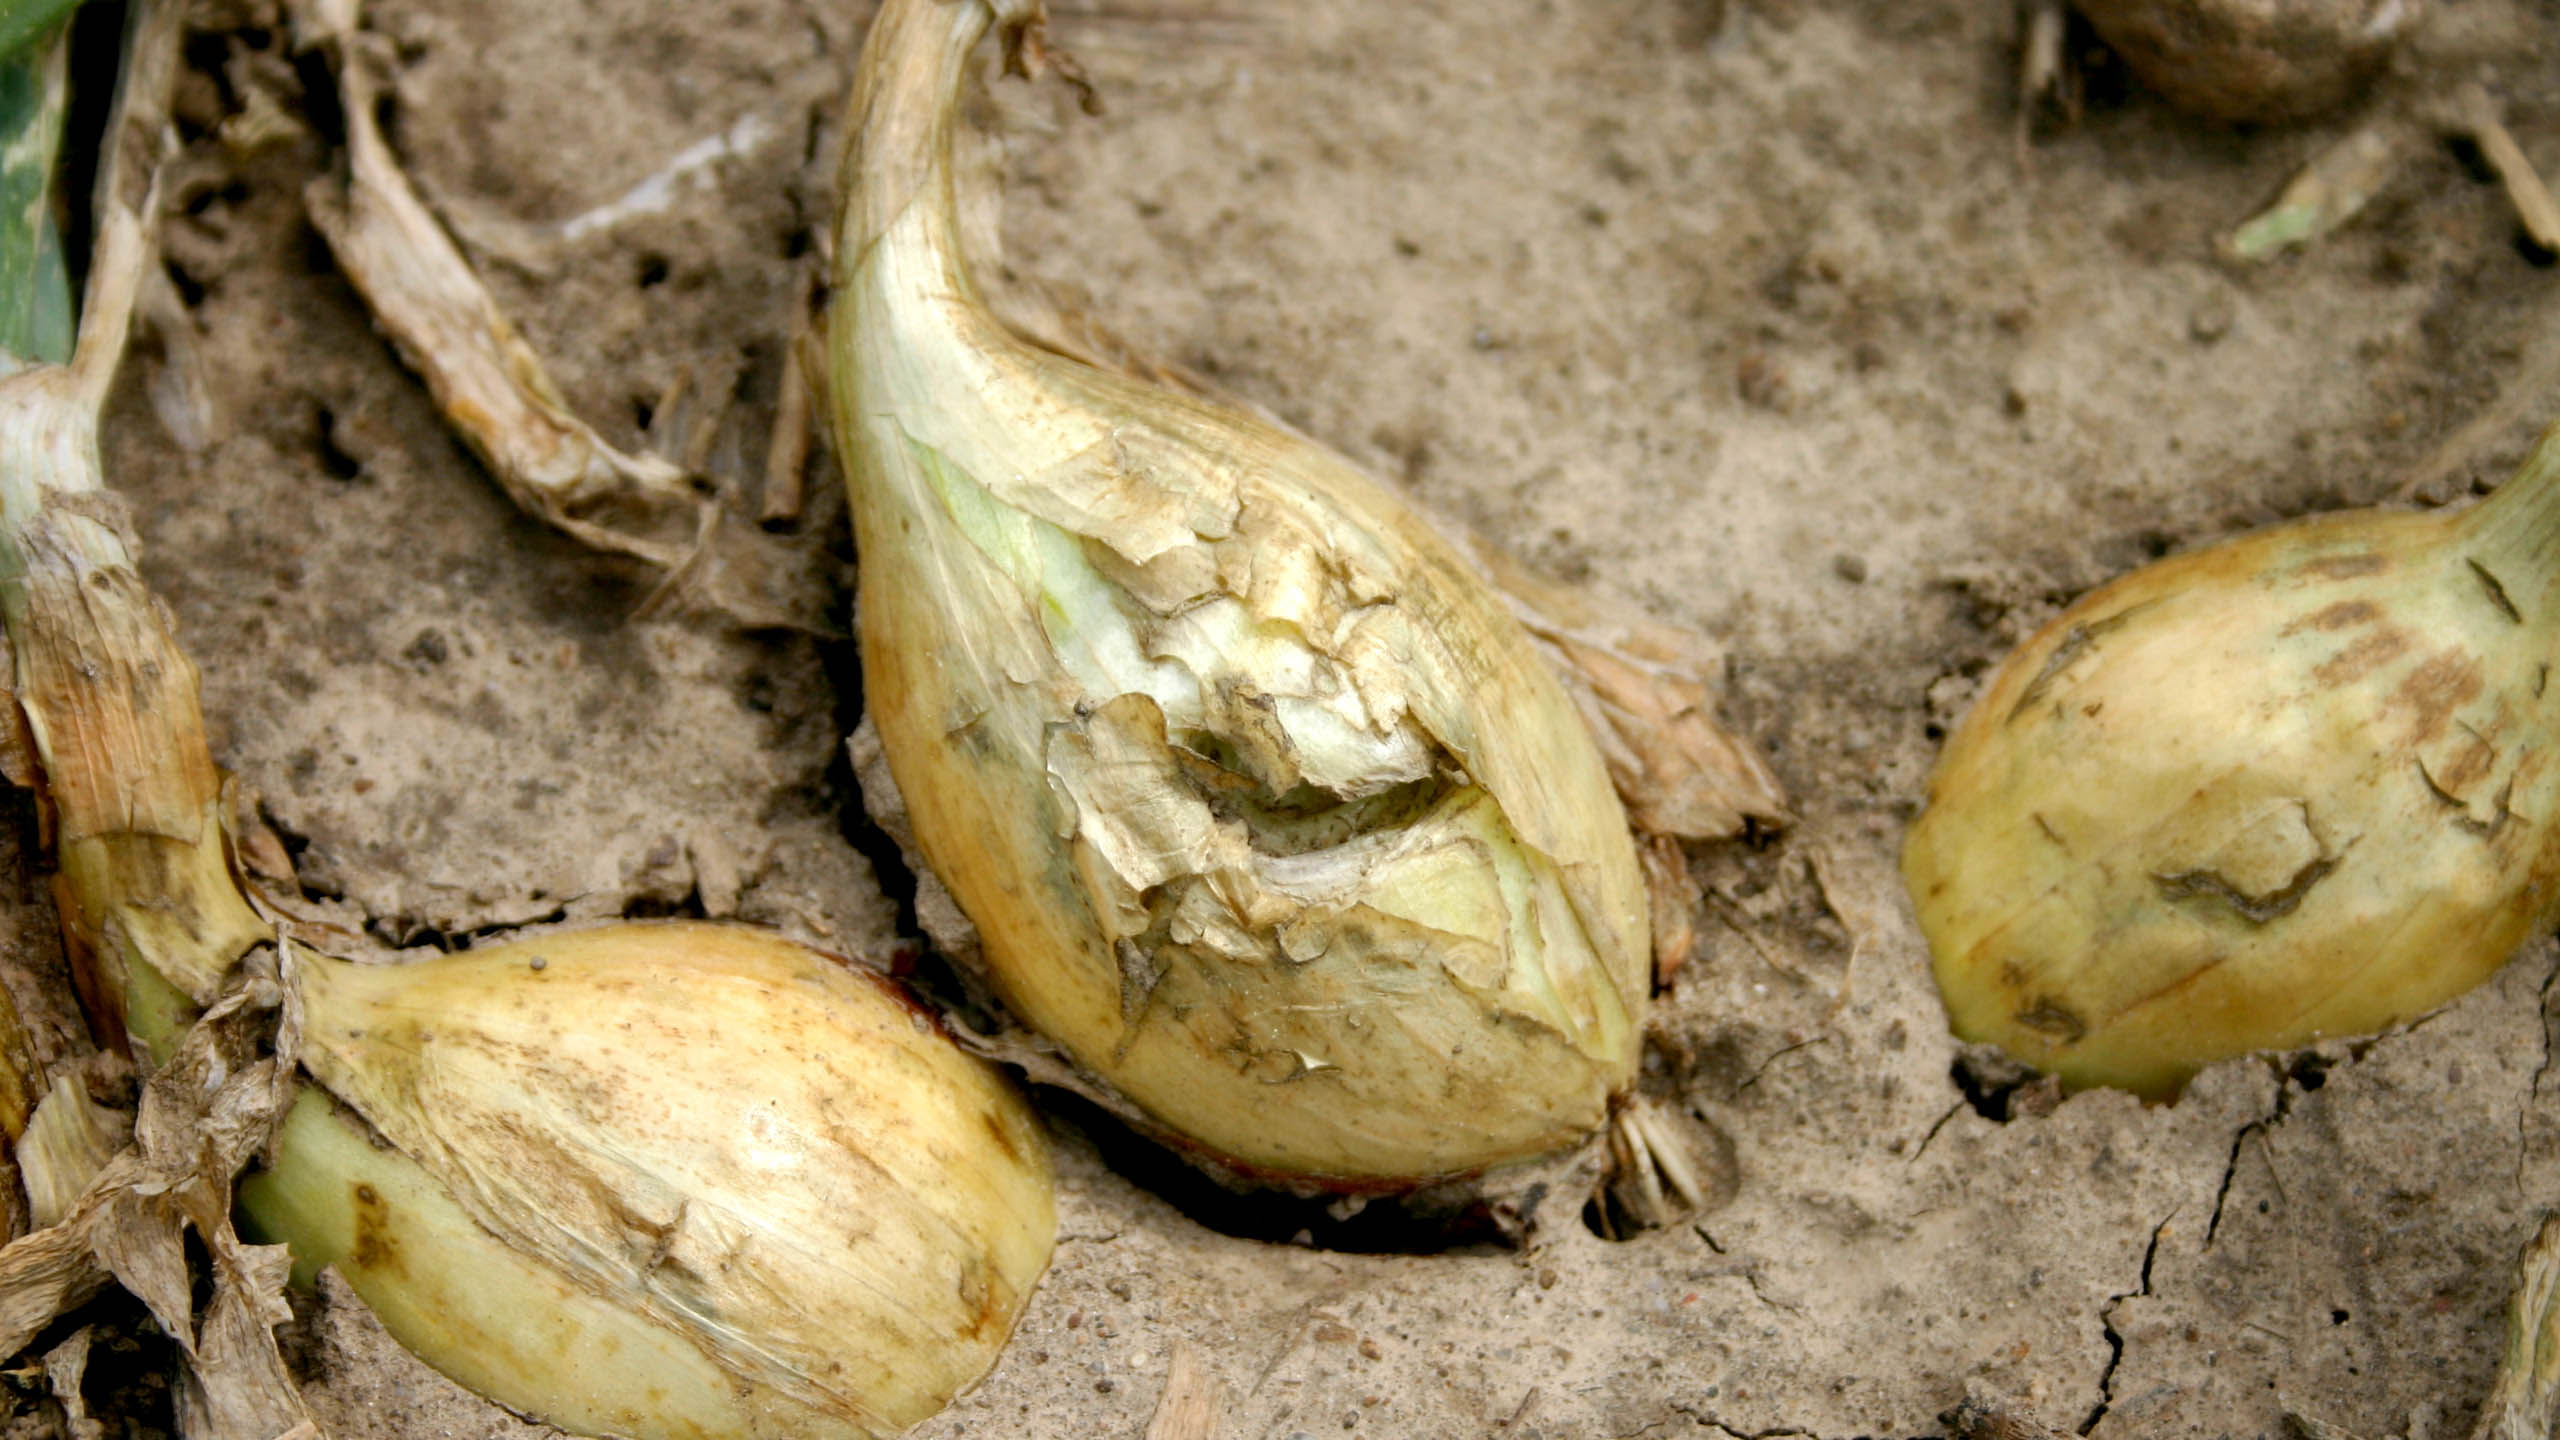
<point x="1754" y="314"/>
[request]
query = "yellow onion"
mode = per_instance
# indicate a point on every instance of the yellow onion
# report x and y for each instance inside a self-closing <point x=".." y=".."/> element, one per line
<point x="2298" y="785"/>
<point x="666" y="1181"/>
<point x="1264" y="807"/>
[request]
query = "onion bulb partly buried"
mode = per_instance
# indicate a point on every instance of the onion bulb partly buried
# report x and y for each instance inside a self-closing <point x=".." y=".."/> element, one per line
<point x="668" y="1181"/>
<point x="2295" y="786"/>
<point x="2255" y="60"/>
<point x="1264" y="807"/>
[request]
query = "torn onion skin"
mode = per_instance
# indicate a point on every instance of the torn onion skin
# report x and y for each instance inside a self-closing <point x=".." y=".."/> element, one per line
<point x="1266" y="809"/>
<point x="2296" y="786"/>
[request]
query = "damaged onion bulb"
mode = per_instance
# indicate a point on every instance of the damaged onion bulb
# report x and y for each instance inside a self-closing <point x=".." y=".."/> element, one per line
<point x="2295" y="786"/>
<point x="1264" y="807"/>
<point x="672" y="1181"/>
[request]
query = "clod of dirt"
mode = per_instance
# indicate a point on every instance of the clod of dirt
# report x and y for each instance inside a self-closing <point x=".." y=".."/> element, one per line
<point x="2255" y="60"/>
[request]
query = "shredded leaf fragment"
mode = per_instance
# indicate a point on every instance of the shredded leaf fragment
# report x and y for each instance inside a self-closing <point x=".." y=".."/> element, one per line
<point x="70" y="1139"/>
<point x="2327" y="193"/>
<point x="492" y="387"/>
<point x="2477" y="114"/>
<point x="203" y="1116"/>
<point x="1188" y="1409"/>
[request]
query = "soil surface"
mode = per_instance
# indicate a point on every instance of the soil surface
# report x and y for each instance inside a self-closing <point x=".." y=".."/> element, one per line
<point x="1757" y="314"/>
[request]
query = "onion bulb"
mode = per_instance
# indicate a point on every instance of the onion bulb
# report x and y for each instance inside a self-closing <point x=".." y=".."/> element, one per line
<point x="2295" y="786"/>
<point x="665" y="1181"/>
<point x="2255" y="60"/>
<point x="1266" y="810"/>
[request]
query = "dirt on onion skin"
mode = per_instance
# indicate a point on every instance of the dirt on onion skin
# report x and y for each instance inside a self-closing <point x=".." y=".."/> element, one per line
<point x="1747" y="313"/>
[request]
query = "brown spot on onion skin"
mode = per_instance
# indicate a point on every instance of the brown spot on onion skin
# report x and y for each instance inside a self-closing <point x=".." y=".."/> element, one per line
<point x="375" y="1249"/>
<point x="2344" y="615"/>
<point x="1002" y="1136"/>
<point x="985" y="1301"/>
<point x="2433" y="691"/>
<point x="2367" y="653"/>
<point x="2052" y="1018"/>
<point x="2476" y="760"/>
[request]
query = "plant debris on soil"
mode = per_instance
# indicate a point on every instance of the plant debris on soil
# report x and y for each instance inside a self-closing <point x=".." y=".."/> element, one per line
<point x="1753" y="314"/>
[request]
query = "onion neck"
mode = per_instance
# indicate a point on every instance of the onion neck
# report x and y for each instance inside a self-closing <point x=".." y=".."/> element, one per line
<point x="111" y="705"/>
<point x="905" y="98"/>
<point x="2514" y="535"/>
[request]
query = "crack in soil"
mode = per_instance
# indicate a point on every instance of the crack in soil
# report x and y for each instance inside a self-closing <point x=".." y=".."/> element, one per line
<point x="2533" y="1088"/>
<point x="2286" y="1089"/>
<point x="1710" y="1421"/>
<point x="1750" y="1271"/>
<point x="2107" y="1319"/>
<point x="2230" y="1169"/>
<point x="1775" y="1056"/>
<point x="1923" y="1147"/>
<point x="2550" y="977"/>
<point x="1751" y="1277"/>
<point x="1747" y="1268"/>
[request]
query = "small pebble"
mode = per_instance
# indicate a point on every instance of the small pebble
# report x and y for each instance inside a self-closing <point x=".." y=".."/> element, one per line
<point x="2211" y="319"/>
<point x="1852" y="568"/>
